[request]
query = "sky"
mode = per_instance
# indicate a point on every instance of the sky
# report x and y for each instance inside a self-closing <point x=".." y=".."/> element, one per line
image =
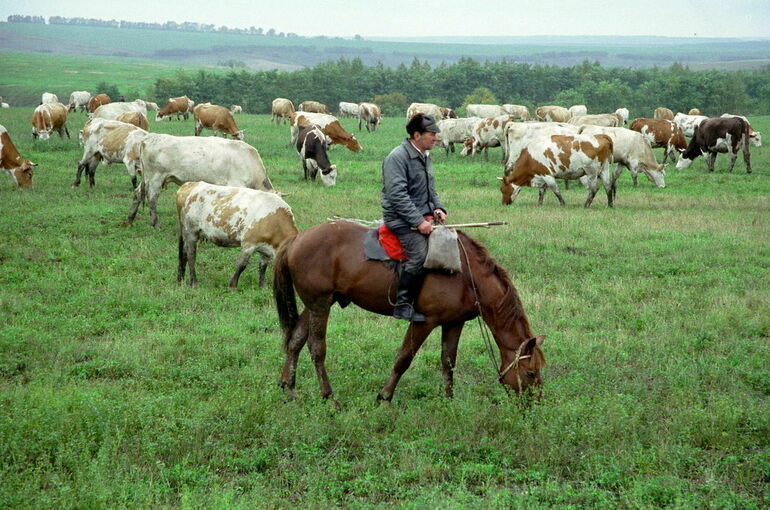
<point x="417" y="18"/>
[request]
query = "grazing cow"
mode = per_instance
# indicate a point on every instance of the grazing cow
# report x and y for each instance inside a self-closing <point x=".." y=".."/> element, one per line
<point x="18" y="168"/>
<point x="135" y="118"/>
<point x="622" y="113"/>
<point x="369" y="114"/>
<point x="547" y="157"/>
<point x="179" y="106"/>
<point x="48" y="117"/>
<point x="551" y="113"/>
<point x="349" y="109"/>
<point x="313" y="107"/>
<point x="311" y="146"/>
<point x="661" y="133"/>
<point x="426" y="108"/>
<point x="448" y="113"/>
<point x="720" y="134"/>
<point x="4" y="105"/>
<point x="236" y="108"/>
<point x="79" y="99"/>
<point x="599" y="119"/>
<point x="633" y="151"/>
<point x="663" y="113"/>
<point x="180" y="159"/>
<point x="755" y="137"/>
<point x="111" y="111"/>
<point x="97" y="101"/>
<point x="49" y="98"/>
<point x="110" y="141"/>
<point x="283" y="110"/>
<point x="693" y="111"/>
<point x="487" y="133"/>
<point x="518" y="134"/>
<point x="484" y="110"/>
<point x="215" y="118"/>
<point x="229" y="216"/>
<point x="330" y="126"/>
<point x="519" y="112"/>
<point x="688" y="123"/>
<point x="578" y="109"/>
<point x="455" y="131"/>
<point x="151" y="106"/>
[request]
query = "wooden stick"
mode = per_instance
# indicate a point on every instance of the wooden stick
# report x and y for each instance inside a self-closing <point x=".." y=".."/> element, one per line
<point x="469" y="225"/>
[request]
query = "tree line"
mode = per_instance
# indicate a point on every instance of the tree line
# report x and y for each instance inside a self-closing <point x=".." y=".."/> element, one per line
<point x="601" y="89"/>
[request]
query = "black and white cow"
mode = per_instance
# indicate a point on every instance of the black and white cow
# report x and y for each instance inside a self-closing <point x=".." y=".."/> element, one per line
<point x="720" y="134"/>
<point x="311" y="146"/>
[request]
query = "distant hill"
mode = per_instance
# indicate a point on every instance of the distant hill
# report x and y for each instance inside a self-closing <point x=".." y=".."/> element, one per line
<point x="288" y="53"/>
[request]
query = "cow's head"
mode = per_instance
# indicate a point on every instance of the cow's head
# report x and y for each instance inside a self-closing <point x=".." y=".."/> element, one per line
<point x="755" y="138"/>
<point x="656" y="175"/>
<point x="467" y="147"/>
<point x="329" y="176"/>
<point x="683" y="162"/>
<point x="22" y="175"/>
<point x="239" y="135"/>
<point x="508" y="189"/>
<point x="352" y="144"/>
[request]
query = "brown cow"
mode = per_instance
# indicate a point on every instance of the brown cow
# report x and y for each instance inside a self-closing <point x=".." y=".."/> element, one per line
<point x="18" y="168"/>
<point x="283" y="110"/>
<point x="179" y="106"/>
<point x="98" y="100"/>
<point x="49" y="117"/>
<point x="693" y="111"/>
<point x="216" y="118"/>
<point x="313" y="107"/>
<point x="135" y="118"/>
<point x="663" y="113"/>
<point x="661" y="133"/>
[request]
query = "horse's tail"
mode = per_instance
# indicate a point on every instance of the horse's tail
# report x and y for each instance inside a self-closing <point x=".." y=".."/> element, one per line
<point x="283" y="291"/>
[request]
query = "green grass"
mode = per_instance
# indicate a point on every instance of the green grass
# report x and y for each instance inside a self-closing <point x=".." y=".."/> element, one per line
<point x="120" y="388"/>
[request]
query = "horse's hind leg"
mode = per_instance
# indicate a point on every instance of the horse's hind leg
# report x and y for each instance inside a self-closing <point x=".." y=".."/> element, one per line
<point x="293" y="348"/>
<point x="316" y="342"/>
<point x="415" y="336"/>
<point x="450" y="337"/>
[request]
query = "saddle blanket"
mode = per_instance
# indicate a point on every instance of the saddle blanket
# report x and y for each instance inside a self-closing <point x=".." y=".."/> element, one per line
<point x="381" y="243"/>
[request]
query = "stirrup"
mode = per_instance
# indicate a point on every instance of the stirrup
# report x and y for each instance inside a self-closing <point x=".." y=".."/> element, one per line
<point x="406" y="312"/>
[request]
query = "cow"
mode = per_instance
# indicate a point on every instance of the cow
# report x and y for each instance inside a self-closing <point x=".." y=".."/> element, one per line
<point x="633" y="151"/>
<point x="518" y="134"/>
<point x="18" y="168"/>
<point x="720" y="134"/>
<point x="109" y="141"/>
<point x="215" y="118"/>
<point x="179" y="106"/>
<point x="687" y="123"/>
<point x="599" y="119"/>
<point x="313" y="107"/>
<point x="455" y="131"/>
<point x="49" y="117"/>
<point x="98" y="100"/>
<point x="179" y="159"/>
<point x="693" y="111"/>
<point x="111" y="111"/>
<point x="551" y="113"/>
<point x="312" y="146"/>
<point x="49" y="98"/>
<point x="661" y="133"/>
<point x="4" y="105"/>
<point x="622" y="114"/>
<point x="79" y="99"/>
<point x="425" y="108"/>
<point x="484" y="110"/>
<point x="349" y="109"/>
<point x="755" y="137"/>
<point x="236" y="108"/>
<point x="547" y="157"/>
<point x="517" y="111"/>
<point x="487" y="133"/>
<point x="330" y="126"/>
<point x="447" y="113"/>
<point x="369" y="114"/>
<point x="578" y="109"/>
<point x="229" y="216"/>
<point x="135" y="118"/>
<point x="283" y="110"/>
<point x="151" y="106"/>
<point x="663" y="113"/>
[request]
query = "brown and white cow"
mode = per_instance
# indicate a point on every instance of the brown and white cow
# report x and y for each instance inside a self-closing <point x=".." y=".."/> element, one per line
<point x="18" y="168"/>
<point x="549" y="157"/>
<point x="693" y="111"/>
<point x="179" y="106"/>
<point x="329" y="125"/>
<point x="369" y="114"/>
<point x="313" y="107"/>
<point x="755" y="137"/>
<point x="111" y="111"/>
<point x="455" y="131"/>
<point x="663" y="113"/>
<point x="349" y="109"/>
<point x="518" y="134"/>
<point x="216" y="118"/>
<point x="688" y="123"/>
<point x="134" y="118"/>
<point x="425" y="108"/>
<point x="622" y="114"/>
<point x="312" y="146"/>
<point x="283" y="110"/>
<point x="552" y="113"/>
<point x="518" y="111"/>
<point x="47" y="118"/>
<point x="447" y="113"/>
<point x="231" y="216"/>
<point x="236" y="108"/>
<point x="98" y="100"/>
<point x="661" y="133"/>
<point x="79" y="99"/>
<point x="487" y="133"/>
<point x="484" y="110"/>
<point x="597" y="119"/>
<point x="720" y="134"/>
<point x="109" y="141"/>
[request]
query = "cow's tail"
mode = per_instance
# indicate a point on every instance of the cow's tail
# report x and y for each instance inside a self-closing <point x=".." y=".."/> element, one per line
<point x="283" y="291"/>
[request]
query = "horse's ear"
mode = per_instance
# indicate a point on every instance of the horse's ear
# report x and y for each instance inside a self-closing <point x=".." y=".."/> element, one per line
<point x="530" y="344"/>
<point x="499" y="178"/>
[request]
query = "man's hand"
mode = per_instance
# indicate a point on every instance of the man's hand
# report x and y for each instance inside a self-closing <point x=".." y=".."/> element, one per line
<point x="425" y="227"/>
<point x="439" y="215"/>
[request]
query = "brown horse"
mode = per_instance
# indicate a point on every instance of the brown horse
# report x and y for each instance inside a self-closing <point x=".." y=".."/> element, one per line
<point x="326" y="264"/>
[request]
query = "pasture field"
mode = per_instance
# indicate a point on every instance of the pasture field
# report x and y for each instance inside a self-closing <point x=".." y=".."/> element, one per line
<point x="121" y="388"/>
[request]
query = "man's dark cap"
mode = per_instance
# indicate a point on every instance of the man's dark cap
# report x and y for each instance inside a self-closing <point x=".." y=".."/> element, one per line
<point x="421" y="123"/>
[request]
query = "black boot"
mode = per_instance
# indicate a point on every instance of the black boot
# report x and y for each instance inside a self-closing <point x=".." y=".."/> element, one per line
<point x="409" y="285"/>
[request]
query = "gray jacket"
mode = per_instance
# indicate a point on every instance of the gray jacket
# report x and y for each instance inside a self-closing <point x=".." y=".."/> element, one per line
<point x="408" y="187"/>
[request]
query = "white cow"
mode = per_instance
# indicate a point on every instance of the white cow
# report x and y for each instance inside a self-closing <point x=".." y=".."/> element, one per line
<point x="369" y="114"/>
<point x="151" y="106"/>
<point x="599" y="119"/>
<point x="110" y="141"/>
<point x="455" y="131"/>
<point x="425" y="108"/>
<point x="111" y="111"/>
<point x="229" y="216"/>
<point x="48" y="97"/>
<point x="4" y="105"/>
<point x="236" y="108"/>
<point x="484" y="110"/>
<point x="180" y="159"/>
<point x="79" y="99"/>
<point x="687" y="123"/>
<point x="578" y="109"/>
<point x="349" y="109"/>
<point x="623" y="113"/>
<point x="518" y="111"/>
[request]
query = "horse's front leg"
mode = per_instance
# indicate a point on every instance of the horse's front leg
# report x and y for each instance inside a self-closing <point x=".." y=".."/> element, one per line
<point x="450" y="337"/>
<point x="413" y="340"/>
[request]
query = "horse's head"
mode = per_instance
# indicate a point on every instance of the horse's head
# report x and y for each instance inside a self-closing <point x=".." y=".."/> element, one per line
<point x="520" y="369"/>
